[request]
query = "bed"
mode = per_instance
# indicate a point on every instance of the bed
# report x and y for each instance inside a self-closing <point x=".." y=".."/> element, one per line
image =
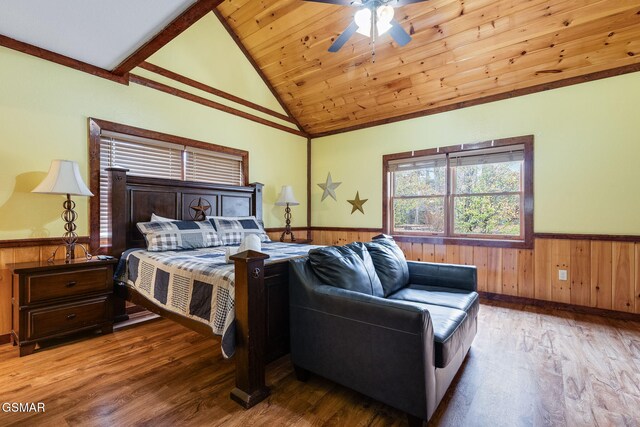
<point x="260" y="303"/>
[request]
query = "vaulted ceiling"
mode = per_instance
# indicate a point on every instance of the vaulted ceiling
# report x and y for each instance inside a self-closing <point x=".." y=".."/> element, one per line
<point x="462" y="51"/>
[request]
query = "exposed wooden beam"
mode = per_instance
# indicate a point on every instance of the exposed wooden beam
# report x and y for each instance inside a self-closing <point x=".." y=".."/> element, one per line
<point x="217" y="92"/>
<point x="199" y="9"/>
<point x="61" y="59"/>
<point x="209" y="103"/>
<point x="266" y="81"/>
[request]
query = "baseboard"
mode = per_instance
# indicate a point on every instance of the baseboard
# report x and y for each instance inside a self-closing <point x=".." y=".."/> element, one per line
<point x="621" y="315"/>
<point x="5" y="339"/>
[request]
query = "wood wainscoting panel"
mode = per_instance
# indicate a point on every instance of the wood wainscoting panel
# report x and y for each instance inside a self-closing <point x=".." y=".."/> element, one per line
<point x="452" y="254"/>
<point x="6" y="257"/>
<point x="466" y="255"/>
<point x="494" y="270"/>
<point x="560" y="260"/>
<point x="480" y="260"/>
<point x="542" y="275"/>
<point x="637" y="284"/>
<point x="440" y="253"/>
<point x="417" y="251"/>
<point x="510" y="272"/>
<point x="428" y="252"/>
<point x="580" y="272"/>
<point x="601" y="274"/>
<point x="622" y="285"/>
<point x="526" y="270"/>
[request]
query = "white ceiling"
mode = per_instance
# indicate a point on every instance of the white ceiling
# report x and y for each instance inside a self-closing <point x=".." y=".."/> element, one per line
<point x="99" y="32"/>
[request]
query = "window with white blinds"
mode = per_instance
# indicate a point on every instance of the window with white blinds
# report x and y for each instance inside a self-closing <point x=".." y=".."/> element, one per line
<point x="472" y="193"/>
<point x="159" y="159"/>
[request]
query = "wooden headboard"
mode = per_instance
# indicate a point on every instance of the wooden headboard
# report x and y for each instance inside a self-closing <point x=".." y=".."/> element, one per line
<point x="134" y="198"/>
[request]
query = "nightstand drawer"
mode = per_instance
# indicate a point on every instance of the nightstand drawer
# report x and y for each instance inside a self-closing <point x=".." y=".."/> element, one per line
<point x="62" y="318"/>
<point x="54" y="285"/>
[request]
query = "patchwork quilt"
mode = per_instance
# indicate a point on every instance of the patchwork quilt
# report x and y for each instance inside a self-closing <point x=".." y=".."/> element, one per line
<point x="197" y="283"/>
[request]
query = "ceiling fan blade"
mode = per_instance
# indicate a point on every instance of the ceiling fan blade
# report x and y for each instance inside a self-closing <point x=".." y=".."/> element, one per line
<point x="355" y="3"/>
<point x="342" y="39"/>
<point x="399" y="34"/>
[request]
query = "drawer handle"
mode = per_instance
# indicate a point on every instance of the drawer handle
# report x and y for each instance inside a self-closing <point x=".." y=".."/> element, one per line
<point x="71" y="316"/>
<point x="71" y="284"/>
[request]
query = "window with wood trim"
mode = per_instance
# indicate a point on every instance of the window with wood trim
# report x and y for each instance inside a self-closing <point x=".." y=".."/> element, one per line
<point x="479" y="193"/>
<point x="152" y="154"/>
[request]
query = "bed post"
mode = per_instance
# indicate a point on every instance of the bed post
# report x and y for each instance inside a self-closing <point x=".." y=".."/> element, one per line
<point x="118" y="213"/>
<point x="118" y="227"/>
<point x="257" y="200"/>
<point x="251" y="331"/>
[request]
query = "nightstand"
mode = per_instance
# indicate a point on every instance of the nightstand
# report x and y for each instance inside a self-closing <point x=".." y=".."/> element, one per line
<point x="51" y="300"/>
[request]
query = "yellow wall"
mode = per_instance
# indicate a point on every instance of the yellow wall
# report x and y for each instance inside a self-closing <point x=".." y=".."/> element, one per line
<point x="43" y="116"/>
<point x="586" y="154"/>
<point x="207" y="53"/>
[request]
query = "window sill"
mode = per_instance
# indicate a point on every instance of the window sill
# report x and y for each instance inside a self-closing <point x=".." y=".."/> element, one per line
<point x="440" y="240"/>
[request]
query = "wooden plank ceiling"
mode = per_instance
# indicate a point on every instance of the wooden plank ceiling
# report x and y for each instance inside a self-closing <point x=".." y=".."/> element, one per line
<point x="462" y="50"/>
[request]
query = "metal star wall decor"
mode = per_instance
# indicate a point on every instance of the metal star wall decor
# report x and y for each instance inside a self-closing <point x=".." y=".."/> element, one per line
<point x="329" y="188"/>
<point x="201" y="208"/>
<point x="357" y="203"/>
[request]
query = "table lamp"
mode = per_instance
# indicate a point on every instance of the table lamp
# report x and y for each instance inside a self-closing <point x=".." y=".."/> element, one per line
<point x="64" y="178"/>
<point x="287" y="199"/>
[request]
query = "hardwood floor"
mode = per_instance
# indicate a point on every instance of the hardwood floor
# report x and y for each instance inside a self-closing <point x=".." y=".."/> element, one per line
<point x="527" y="366"/>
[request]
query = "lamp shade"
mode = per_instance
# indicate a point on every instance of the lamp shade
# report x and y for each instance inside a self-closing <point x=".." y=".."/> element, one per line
<point x="63" y="178"/>
<point x="286" y="196"/>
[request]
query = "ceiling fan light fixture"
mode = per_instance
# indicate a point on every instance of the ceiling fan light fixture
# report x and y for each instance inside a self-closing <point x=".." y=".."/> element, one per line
<point x="362" y="19"/>
<point x="385" y="16"/>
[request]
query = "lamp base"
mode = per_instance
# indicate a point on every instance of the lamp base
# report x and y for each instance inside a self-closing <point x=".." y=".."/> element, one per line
<point x="69" y="238"/>
<point x="70" y="252"/>
<point x="285" y="232"/>
<point x="287" y="227"/>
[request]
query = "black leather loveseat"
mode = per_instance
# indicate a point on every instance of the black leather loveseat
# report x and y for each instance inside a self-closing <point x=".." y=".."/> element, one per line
<point x="397" y="331"/>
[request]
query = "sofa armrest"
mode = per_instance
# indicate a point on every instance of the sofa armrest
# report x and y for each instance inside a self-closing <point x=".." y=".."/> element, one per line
<point x="453" y="276"/>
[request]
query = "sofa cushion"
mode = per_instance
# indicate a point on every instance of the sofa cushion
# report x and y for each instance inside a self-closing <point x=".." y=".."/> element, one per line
<point x="450" y="330"/>
<point x="348" y="267"/>
<point x="390" y="264"/>
<point x="466" y="301"/>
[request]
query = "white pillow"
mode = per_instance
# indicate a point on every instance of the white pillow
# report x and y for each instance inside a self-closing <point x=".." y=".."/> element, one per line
<point x="250" y="243"/>
<point x="158" y="218"/>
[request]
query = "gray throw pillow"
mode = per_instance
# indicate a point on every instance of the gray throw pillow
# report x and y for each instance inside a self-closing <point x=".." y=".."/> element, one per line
<point x="348" y="267"/>
<point x="390" y="264"/>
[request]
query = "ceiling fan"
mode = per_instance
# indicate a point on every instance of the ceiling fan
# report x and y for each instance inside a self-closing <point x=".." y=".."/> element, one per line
<point x="373" y="19"/>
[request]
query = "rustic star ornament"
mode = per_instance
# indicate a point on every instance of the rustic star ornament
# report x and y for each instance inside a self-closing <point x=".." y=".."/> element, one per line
<point x="201" y="208"/>
<point x="329" y="188"/>
<point x="357" y="203"/>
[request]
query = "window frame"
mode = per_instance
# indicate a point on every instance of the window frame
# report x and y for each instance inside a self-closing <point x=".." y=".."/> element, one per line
<point x="524" y="241"/>
<point x="97" y="126"/>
